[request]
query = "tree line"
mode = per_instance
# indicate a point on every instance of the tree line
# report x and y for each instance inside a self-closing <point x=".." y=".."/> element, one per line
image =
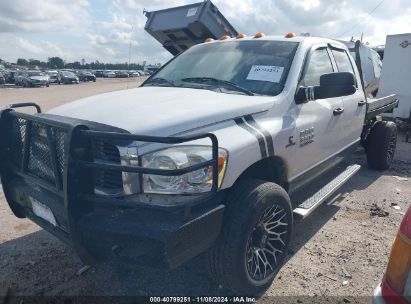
<point x="59" y="63"/>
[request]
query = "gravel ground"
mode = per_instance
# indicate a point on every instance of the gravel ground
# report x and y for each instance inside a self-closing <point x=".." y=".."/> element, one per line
<point x="341" y="241"/>
<point x="56" y="95"/>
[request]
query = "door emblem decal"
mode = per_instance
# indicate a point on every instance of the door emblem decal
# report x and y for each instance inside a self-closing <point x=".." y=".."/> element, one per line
<point x="306" y="136"/>
<point x="291" y="142"/>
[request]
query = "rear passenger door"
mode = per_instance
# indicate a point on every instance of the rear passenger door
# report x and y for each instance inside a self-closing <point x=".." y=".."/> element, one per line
<point x="318" y="124"/>
<point x="354" y="105"/>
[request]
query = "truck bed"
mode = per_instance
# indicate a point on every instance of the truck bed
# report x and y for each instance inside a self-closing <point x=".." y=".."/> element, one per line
<point x="377" y="106"/>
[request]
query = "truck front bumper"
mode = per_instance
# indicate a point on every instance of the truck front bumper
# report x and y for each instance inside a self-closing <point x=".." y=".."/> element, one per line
<point x="150" y="237"/>
<point x="47" y="173"/>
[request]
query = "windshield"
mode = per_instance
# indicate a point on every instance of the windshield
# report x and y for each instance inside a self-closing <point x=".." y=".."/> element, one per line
<point x="35" y="73"/>
<point x="260" y="67"/>
<point x="68" y="74"/>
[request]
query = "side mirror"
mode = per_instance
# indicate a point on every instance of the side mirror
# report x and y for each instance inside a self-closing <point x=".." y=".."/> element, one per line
<point x="337" y="79"/>
<point x="331" y="85"/>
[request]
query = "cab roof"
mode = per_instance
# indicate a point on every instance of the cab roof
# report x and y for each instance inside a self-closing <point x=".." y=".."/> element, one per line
<point x="307" y="41"/>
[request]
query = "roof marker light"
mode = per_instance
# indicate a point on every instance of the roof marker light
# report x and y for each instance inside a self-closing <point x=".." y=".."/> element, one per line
<point x="225" y="37"/>
<point x="259" y="35"/>
<point x="241" y="36"/>
<point x="209" y="40"/>
<point x="290" y="35"/>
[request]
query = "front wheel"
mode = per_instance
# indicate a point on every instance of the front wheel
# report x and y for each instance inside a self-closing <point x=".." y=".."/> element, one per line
<point x="381" y="144"/>
<point x="254" y="239"/>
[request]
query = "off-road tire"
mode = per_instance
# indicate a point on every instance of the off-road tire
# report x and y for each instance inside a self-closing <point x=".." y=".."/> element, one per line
<point x="226" y="259"/>
<point x="380" y="145"/>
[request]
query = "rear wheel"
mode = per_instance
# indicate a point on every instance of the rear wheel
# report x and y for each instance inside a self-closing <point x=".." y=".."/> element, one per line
<point x="254" y="239"/>
<point x="381" y="144"/>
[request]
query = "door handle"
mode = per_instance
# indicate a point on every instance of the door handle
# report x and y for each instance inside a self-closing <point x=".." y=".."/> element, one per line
<point x="361" y="103"/>
<point x="338" y="111"/>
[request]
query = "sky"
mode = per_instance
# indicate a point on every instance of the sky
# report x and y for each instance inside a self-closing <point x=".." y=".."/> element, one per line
<point x="103" y="29"/>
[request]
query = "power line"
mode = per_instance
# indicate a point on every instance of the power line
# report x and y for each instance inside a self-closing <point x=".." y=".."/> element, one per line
<point x="355" y="25"/>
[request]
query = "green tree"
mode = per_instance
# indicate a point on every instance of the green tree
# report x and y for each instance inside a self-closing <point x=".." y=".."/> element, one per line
<point x="34" y="63"/>
<point x="22" y="61"/>
<point x="55" y="62"/>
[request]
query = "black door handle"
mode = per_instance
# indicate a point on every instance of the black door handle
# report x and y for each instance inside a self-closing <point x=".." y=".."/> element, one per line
<point x="361" y="103"/>
<point x="338" y="111"/>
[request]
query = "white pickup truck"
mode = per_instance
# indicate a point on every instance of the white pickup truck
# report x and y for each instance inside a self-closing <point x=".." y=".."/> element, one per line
<point x="202" y="158"/>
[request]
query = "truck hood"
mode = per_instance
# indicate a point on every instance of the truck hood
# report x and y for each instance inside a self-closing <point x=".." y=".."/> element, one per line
<point x="163" y="111"/>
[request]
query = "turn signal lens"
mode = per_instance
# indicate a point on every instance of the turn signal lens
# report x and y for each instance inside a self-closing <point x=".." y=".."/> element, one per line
<point x="259" y="35"/>
<point x="241" y="36"/>
<point x="399" y="264"/>
<point x="222" y="165"/>
<point x="225" y="37"/>
<point x="209" y="40"/>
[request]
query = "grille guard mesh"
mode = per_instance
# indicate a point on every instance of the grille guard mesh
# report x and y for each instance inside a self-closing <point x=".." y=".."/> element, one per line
<point x="40" y="146"/>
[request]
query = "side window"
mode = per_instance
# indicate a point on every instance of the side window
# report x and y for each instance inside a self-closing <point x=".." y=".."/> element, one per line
<point x="319" y="64"/>
<point x="343" y="61"/>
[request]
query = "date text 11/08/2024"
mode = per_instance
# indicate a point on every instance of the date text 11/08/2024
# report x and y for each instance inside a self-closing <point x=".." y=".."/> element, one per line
<point x="175" y="299"/>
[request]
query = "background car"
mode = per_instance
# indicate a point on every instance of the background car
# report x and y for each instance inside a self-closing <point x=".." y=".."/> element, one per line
<point x="31" y="79"/>
<point x="67" y="77"/>
<point x="98" y="73"/>
<point x="122" y="74"/>
<point x="86" y="76"/>
<point x="109" y="74"/>
<point x="52" y="76"/>
<point x="10" y="74"/>
<point x="396" y="283"/>
<point x="133" y="73"/>
<point x="2" y="78"/>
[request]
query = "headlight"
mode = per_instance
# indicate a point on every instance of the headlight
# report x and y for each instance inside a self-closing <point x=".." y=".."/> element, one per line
<point x="198" y="181"/>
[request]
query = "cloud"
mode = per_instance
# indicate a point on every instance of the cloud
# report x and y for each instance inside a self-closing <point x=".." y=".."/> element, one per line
<point x="103" y="30"/>
<point x="19" y="47"/>
<point x="41" y="16"/>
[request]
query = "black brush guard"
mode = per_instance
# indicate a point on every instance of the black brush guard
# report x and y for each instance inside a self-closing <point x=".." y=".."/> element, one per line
<point x="47" y="158"/>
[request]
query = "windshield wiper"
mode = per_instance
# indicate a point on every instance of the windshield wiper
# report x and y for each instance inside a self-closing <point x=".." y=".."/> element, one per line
<point x="218" y="81"/>
<point x="160" y="80"/>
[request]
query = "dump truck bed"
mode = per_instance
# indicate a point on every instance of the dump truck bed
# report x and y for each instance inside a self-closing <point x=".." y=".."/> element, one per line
<point x="179" y="28"/>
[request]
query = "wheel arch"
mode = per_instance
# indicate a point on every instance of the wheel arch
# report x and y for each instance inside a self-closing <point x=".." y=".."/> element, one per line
<point x="272" y="169"/>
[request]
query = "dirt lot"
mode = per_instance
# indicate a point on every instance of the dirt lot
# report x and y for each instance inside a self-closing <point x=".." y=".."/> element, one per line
<point x="56" y="95"/>
<point x="341" y="241"/>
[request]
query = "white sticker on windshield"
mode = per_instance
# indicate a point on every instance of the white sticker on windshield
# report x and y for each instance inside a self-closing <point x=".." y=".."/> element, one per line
<point x="192" y="11"/>
<point x="266" y="73"/>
